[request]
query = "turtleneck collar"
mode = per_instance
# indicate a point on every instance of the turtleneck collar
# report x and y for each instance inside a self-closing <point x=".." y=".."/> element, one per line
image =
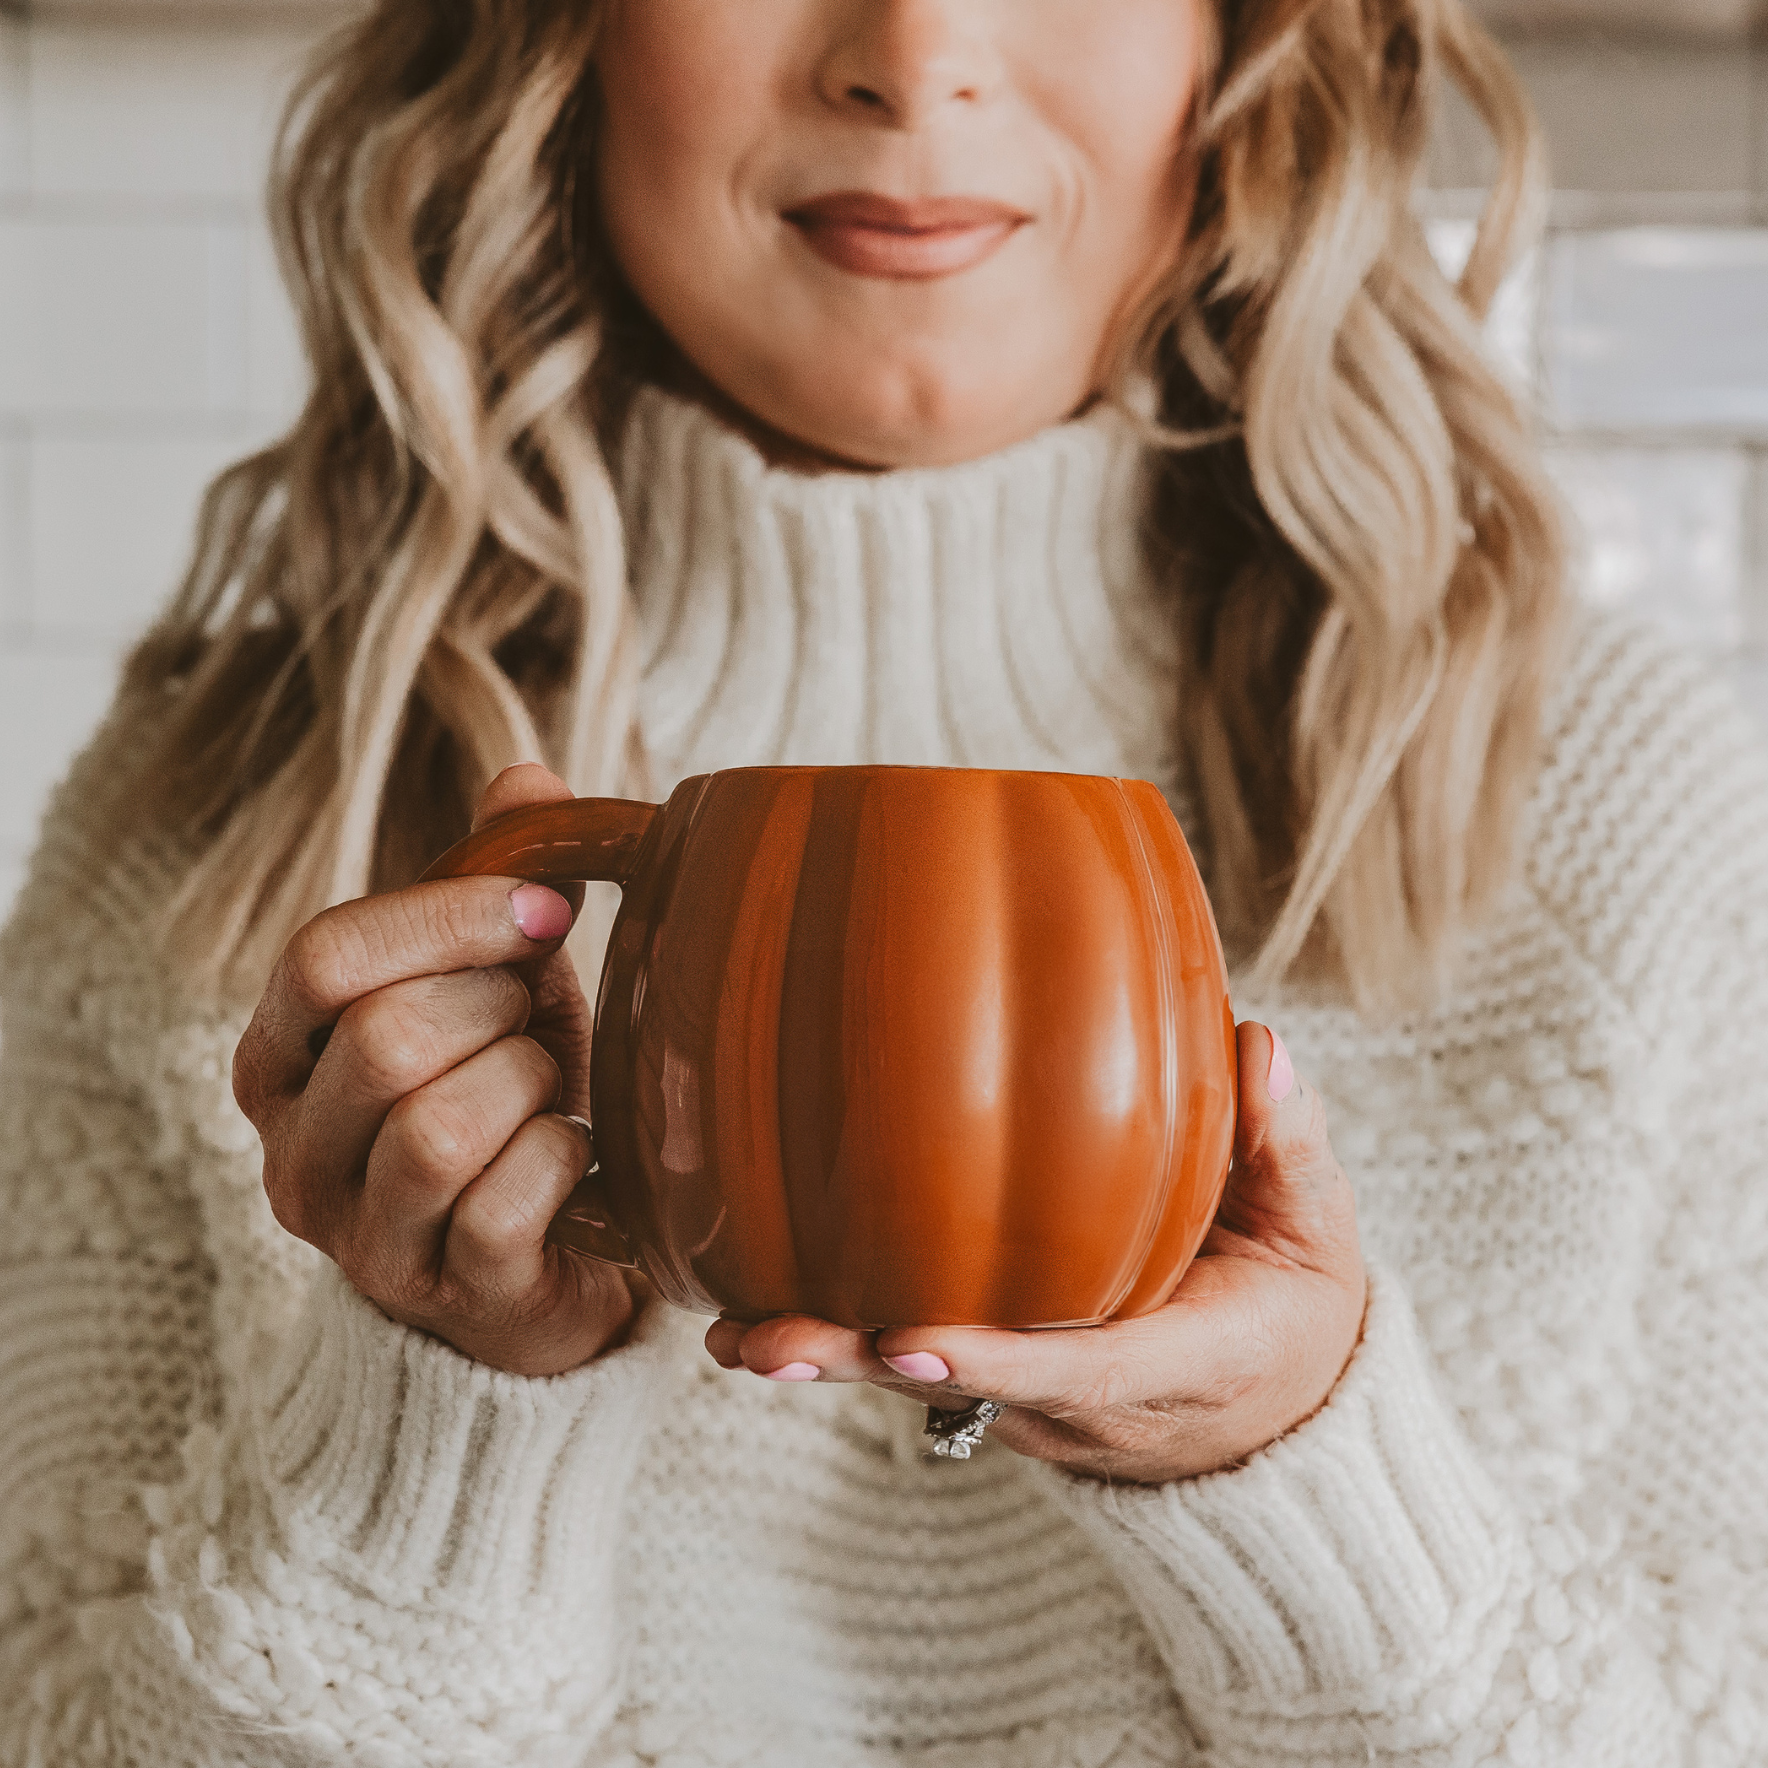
<point x="993" y="614"/>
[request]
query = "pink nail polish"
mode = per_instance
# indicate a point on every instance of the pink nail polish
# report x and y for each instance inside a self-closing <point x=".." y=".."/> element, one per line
<point x="920" y="1366"/>
<point x="795" y="1372"/>
<point x="542" y="914"/>
<point x="1281" y="1079"/>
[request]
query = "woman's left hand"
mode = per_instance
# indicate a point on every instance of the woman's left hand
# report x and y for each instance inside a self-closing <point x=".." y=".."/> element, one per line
<point x="1248" y="1346"/>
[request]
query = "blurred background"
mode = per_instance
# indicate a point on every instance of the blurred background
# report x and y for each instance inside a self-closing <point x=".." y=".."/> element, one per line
<point x="144" y="339"/>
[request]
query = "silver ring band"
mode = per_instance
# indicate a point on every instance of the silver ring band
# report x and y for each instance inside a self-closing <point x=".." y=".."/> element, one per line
<point x="956" y="1435"/>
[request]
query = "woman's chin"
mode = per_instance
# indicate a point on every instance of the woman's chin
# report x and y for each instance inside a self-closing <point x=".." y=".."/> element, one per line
<point x="841" y="429"/>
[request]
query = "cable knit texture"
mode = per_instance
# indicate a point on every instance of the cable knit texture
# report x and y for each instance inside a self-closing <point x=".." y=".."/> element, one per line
<point x="246" y="1519"/>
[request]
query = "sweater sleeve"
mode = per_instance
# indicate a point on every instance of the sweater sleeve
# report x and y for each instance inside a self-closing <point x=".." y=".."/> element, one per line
<point x="1387" y="1585"/>
<point x="245" y="1517"/>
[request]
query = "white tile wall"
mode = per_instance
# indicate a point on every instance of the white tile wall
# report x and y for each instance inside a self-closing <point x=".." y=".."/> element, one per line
<point x="1648" y="324"/>
<point x="118" y="317"/>
<point x="1662" y="532"/>
<point x="82" y="584"/>
<point x="168" y="113"/>
<point x="1716" y="18"/>
<point x="15" y="116"/>
<point x="144" y="342"/>
<point x="1636" y="118"/>
<point x="1659" y="328"/>
<point x="15" y="535"/>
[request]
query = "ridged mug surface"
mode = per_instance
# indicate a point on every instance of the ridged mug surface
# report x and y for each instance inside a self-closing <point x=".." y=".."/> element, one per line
<point x="898" y="1046"/>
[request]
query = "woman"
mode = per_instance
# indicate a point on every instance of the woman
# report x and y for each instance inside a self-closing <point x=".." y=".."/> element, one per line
<point x="1047" y="385"/>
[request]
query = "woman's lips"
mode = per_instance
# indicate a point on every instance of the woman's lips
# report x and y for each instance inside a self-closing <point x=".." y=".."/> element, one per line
<point x="880" y="236"/>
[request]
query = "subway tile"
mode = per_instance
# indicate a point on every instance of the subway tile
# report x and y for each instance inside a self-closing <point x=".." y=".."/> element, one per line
<point x="1755" y="618"/>
<point x="112" y="522"/>
<point x="1658" y="328"/>
<point x="15" y="100"/>
<point x="50" y="703"/>
<point x="1643" y="117"/>
<point x="224" y="276"/>
<point x="162" y="107"/>
<point x="1662" y="533"/>
<point x="1703" y="18"/>
<point x="1622" y="118"/>
<point x="120" y="316"/>
<point x="276" y="366"/>
<point x="1759" y="84"/>
<point x="15" y="532"/>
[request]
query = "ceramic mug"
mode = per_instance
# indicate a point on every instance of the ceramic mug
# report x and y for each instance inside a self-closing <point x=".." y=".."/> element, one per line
<point x="896" y="1046"/>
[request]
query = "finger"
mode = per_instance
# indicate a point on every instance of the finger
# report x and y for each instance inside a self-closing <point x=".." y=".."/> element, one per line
<point x="724" y="1343"/>
<point x="1276" y="1104"/>
<point x="496" y="1238"/>
<point x="1088" y="1369"/>
<point x="393" y="1044"/>
<point x="562" y="1021"/>
<point x="1287" y="1197"/>
<point x="434" y="1144"/>
<point x="795" y="1347"/>
<point x="351" y="951"/>
<point x="525" y="783"/>
<point x="347" y="952"/>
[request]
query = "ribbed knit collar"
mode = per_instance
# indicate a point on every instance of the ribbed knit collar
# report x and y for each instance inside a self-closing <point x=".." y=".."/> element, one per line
<point x="994" y="614"/>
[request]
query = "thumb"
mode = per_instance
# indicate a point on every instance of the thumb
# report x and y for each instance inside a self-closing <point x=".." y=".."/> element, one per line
<point x="560" y="1019"/>
<point x="525" y="783"/>
<point x="514" y="789"/>
<point x="1287" y="1195"/>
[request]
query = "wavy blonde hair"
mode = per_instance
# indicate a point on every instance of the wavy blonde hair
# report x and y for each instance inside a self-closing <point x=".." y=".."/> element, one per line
<point x="425" y="580"/>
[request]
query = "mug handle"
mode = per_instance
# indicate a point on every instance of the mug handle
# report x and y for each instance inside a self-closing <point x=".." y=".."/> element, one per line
<point x="576" y="841"/>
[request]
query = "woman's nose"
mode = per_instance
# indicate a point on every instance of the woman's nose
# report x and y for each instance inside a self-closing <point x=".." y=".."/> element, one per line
<point x="902" y="61"/>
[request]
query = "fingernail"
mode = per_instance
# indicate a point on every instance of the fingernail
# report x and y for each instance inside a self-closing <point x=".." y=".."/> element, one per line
<point x="920" y="1366"/>
<point x="1281" y="1079"/>
<point x="795" y="1372"/>
<point x="541" y="913"/>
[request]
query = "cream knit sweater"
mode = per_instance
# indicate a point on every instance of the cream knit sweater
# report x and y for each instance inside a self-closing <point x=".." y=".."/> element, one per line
<point x="244" y="1519"/>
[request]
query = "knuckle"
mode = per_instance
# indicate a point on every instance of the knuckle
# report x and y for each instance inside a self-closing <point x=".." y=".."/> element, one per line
<point x="491" y="1228"/>
<point x="406" y="1289"/>
<point x="401" y="1285"/>
<point x="482" y="1223"/>
<point x="393" y="1042"/>
<point x="443" y="1296"/>
<point x="288" y="1205"/>
<point x="539" y="1071"/>
<point x="438" y="1137"/>
<point x="499" y="1218"/>
<point x="501" y="999"/>
<point x="558" y="1143"/>
<point x="248" y="1074"/>
<point x="317" y="968"/>
<point x="457" y="912"/>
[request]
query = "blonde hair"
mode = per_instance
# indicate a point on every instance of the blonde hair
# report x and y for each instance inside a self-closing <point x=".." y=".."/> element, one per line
<point x="424" y="581"/>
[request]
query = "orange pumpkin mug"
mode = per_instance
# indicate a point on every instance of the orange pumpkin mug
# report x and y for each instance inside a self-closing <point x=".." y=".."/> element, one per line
<point x="895" y="1046"/>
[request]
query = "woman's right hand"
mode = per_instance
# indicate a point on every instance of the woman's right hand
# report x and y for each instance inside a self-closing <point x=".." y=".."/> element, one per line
<point x="405" y="1069"/>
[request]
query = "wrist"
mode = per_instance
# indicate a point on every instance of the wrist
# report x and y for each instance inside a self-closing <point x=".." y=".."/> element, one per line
<point x="532" y="1344"/>
<point x="1248" y="1412"/>
<point x="376" y="1437"/>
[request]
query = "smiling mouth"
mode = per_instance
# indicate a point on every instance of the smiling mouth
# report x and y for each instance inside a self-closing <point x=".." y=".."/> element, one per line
<point x="880" y="236"/>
